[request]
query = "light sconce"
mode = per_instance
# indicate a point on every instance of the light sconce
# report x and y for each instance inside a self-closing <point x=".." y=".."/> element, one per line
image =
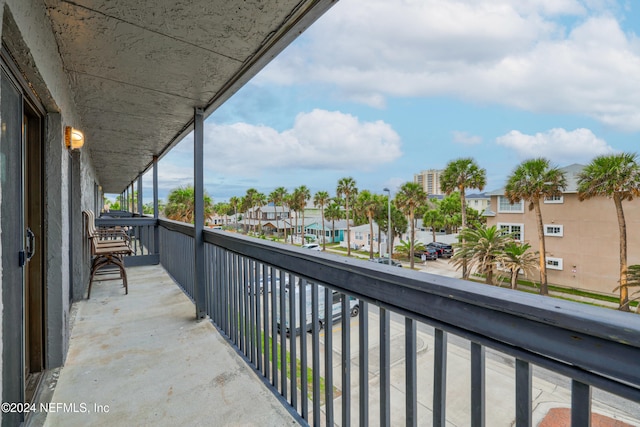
<point x="73" y="138"/>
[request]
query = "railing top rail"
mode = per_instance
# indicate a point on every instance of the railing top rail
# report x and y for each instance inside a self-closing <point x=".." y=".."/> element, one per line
<point x="577" y="336"/>
<point x="124" y="221"/>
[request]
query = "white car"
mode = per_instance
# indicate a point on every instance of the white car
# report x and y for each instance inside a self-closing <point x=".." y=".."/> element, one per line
<point x="312" y="246"/>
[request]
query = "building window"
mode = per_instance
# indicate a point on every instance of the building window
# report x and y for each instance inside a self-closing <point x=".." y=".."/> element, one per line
<point x="505" y="207"/>
<point x="554" y="263"/>
<point x="359" y="235"/>
<point x="553" y="230"/>
<point x="554" y="199"/>
<point x="516" y="230"/>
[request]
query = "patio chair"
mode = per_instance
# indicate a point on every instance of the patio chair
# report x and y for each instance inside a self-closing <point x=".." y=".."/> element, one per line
<point x="108" y="248"/>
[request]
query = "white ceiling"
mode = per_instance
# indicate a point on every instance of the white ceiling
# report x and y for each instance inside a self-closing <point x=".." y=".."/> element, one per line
<point x="138" y="68"/>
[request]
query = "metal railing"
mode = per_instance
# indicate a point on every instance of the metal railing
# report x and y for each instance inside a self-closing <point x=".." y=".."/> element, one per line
<point x="143" y="235"/>
<point x="289" y="312"/>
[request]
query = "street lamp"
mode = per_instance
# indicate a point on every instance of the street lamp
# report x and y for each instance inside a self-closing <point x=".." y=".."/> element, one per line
<point x="388" y="223"/>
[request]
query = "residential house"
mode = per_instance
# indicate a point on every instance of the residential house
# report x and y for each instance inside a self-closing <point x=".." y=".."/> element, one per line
<point x="582" y="240"/>
<point x="334" y="230"/>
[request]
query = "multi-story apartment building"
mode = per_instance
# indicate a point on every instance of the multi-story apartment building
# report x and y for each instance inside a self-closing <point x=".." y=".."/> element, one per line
<point x="430" y="180"/>
<point x="582" y="238"/>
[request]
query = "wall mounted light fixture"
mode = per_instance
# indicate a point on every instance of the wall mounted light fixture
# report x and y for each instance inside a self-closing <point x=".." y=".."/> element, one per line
<point x="73" y="138"/>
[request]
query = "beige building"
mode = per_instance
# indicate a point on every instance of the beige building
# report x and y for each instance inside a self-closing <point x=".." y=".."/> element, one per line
<point x="430" y="180"/>
<point x="582" y="239"/>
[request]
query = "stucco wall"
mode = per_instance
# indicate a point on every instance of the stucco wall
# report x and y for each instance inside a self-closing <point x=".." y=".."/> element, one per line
<point x="27" y="33"/>
<point x="589" y="246"/>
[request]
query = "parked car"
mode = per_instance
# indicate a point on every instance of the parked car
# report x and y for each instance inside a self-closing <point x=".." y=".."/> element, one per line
<point x="312" y="246"/>
<point x="429" y="252"/>
<point x="445" y="250"/>
<point x="385" y="260"/>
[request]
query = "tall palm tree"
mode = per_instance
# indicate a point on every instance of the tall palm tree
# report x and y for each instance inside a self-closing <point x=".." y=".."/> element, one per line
<point x="235" y="202"/>
<point x="347" y="188"/>
<point x="408" y="199"/>
<point x="517" y="257"/>
<point x="368" y="204"/>
<point x="277" y="196"/>
<point x="332" y="213"/>
<point x="303" y="195"/>
<point x="532" y="181"/>
<point x="616" y="176"/>
<point x="483" y="248"/>
<point x="290" y="201"/>
<point x="320" y="200"/>
<point x="249" y="201"/>
<point x="459" y="175"/>
<point x="259" y="200"/>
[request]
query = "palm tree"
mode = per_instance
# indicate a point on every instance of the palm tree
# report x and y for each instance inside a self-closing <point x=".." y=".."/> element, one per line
<point x="459" y="175"/>
<point x="180" y="205"/>
<point x="517" y="257"/>
<point x="534" y="180"/>
<point x="235" y="202"/>
<point x="304" y="195"/>
<point x="347" y="187"/>
<point x="616" y="176"/>
<point x="249" y="201"/>
<point x="333" y="212"/>
<point x="259" y="200"/>
<point x="290" y="200"/>
<point x="320" y="199"/>
<point x="368" y="204"/>
<point x="408" y="199"/>
<point x="405" y="247"/>
<point x="277" y="196"/>
<point x="482" y="249"/>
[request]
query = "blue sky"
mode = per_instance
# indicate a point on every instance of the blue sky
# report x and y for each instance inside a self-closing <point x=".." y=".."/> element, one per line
<point x="381" y="89"/>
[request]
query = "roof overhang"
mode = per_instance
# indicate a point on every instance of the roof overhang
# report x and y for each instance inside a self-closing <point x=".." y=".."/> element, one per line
<point x="138" y="69"/>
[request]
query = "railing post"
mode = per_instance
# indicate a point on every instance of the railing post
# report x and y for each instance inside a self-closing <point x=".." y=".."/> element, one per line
<point x="198" y="216"/>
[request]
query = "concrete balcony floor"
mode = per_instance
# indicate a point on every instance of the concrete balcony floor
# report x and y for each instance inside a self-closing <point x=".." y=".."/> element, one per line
<point x="142" y="359"/>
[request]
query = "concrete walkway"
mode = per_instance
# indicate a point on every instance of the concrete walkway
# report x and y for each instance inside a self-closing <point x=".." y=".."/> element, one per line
<point x="141" y="359"/>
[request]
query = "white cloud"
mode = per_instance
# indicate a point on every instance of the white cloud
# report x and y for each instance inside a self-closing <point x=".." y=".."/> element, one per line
<point x="318" y="140"/>
<point x="510" y="52"/>
<point x="559" y="145"/>
<point x="465" y="138"/>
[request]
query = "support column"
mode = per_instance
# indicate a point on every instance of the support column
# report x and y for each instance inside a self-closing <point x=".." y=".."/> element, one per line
<point x="156" y="212"/>
<point x="198" y="208"/>
<point x="140" y="194"/>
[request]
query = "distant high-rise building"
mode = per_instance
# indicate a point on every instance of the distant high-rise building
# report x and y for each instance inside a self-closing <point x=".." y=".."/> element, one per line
<point x="430" y="180"/>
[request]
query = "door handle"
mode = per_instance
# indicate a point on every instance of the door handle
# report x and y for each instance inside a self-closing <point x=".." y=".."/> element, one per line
<point x="31" y="244"/>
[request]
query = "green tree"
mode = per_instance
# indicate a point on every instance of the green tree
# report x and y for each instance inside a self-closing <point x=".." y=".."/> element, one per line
<point x="399" y="225"/>
<point x="633" y="280"/>
<point x="303" y="194"/>
<point x="367" y="204"/>
<point x="410" y="198"/>
<point x="459" y="175"/>
<point x="434" y="219"/>
<point x="235" y="202"/>
<point x="320" y="200"/>
<point x="180" y="204"/>
<point x="259" y="200"/>
<point x="517" y="257"/>
<point x="347" y="188"/>
<point x="278" y="197"/>
<point x="333" y="212"/>
<point x="481" y="248"/>
<point x="406" y="248"/>
<point x="532" y="181"/>
<point x="615" y="176"/>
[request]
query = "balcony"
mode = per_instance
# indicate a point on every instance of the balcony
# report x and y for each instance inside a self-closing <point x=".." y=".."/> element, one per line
<point x="423" y="349"/>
